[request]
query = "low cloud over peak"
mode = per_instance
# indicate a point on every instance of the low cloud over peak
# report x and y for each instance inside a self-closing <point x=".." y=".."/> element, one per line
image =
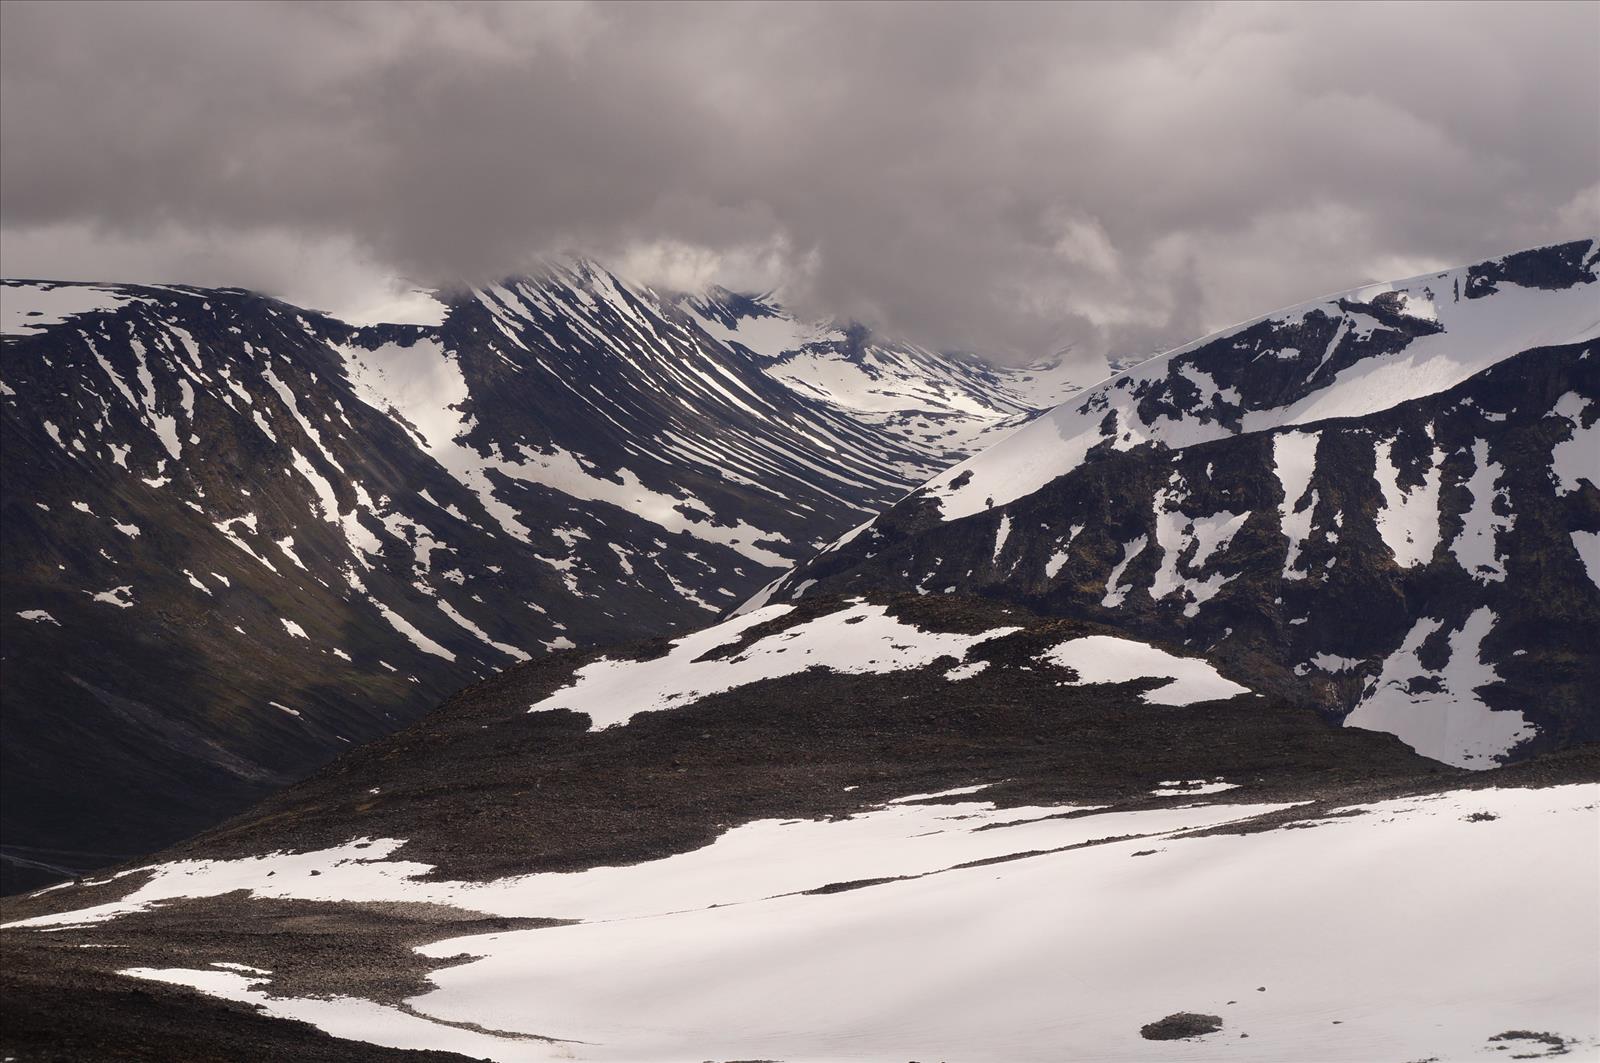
<point x="1007" y="179"/>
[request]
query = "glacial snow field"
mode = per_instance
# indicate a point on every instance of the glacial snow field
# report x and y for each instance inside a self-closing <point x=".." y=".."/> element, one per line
<point x="1384" y="504"/>
<point x="261" y="535"/>
<point x="867" y="829"/>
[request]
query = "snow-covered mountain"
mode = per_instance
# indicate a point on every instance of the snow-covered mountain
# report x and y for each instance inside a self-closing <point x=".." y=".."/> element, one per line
<point x="930" y="400"/>
<point x="876" y="829"/>
<point x="1383" y="503"/>
<point x="241" y="536"/>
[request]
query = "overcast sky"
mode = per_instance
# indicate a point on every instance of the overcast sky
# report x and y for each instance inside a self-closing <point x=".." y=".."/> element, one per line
<point x="1006" y="179"/>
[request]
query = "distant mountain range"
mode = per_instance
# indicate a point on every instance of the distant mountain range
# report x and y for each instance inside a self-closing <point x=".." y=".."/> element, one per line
<point x="241" y="536"/>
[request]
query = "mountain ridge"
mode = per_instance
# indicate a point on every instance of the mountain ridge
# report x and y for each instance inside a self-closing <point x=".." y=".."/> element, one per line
<point x="1349" y="540"/>
<point x="259" y="534"/>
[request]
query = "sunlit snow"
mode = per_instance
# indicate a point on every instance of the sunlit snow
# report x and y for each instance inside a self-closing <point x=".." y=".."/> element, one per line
<point x="1062" y="952"/>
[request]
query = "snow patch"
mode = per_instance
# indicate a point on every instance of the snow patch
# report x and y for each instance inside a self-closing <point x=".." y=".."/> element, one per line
<point x="1116" y="594"/>
<point x="1294" y="457"/>
<point x="1107" y="659"/>
<point x="121" y="597"/>
<point x="1587" y="543"/>
<point x="1438" y="713"/>
<point x="860" y="638"/>
<point x="26" y="308"/>
<point x="658" y="970"/>
<point x="1409" y="521"/>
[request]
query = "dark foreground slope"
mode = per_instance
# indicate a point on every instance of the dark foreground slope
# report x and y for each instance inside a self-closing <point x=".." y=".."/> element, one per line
<point x="1384" y="505"/>
<point x="667" y="808"/>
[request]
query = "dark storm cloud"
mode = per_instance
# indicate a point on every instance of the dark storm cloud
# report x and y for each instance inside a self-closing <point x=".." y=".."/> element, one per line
<point x="1006" y="179"/>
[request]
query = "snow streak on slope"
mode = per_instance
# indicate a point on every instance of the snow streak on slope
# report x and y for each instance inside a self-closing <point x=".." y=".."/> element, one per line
<point x="1294" y="457"/>
<point x="1409" y="522"/>
<point x="423" y="385"/>
<point x="733" y="952"/>
<point x="1477" y="546"/>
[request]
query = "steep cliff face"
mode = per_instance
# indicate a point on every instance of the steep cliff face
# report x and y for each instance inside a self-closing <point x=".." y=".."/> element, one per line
<point x="1383" y="504"/>
<point x="241" y="536"/>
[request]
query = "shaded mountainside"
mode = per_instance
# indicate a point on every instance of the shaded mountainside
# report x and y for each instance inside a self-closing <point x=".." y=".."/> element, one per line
<point x="240" y="536"/>
<point x="1382" y="504"/>
<point x="930" y="400"/>
<point x="767" y="839"/>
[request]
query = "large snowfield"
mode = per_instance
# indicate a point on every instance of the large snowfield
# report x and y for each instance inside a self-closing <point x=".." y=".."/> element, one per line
<point x="1416" y="928"/>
